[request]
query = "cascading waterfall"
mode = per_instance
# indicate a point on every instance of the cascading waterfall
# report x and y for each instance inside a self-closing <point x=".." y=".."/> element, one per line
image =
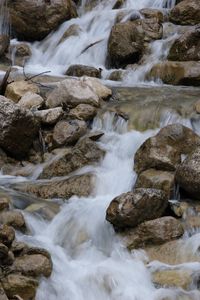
<point x="92" y="27"/>
<point x="4" y="18"/>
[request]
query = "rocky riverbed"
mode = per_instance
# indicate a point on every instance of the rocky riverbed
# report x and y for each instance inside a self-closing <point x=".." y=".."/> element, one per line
<point x="99" y="159"/>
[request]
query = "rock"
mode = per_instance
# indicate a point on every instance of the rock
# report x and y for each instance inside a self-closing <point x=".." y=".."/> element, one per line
<point x="188" y="174"/>
<point x="49" y="116"/>
<point x="33" y="265"/>
<point x="4" y="202"/>
<point x="186" y="13"/>
<point x="18" y="128"/>
<point x="116" y="75"/>
<point x="79" y="185"/>
<point x="82" y="70"/>
<point x="16" y="284"/>
<point x="102" y="91"/>
<point x="8" y="261"/>
<point x="177" y="73"/>
<point x="72" y="92"/>
<point x="118" y="4"/>
<point x="33" y="21"/>
<point x="187" y="46"/>
<point x="173" y="278"/>
<point x="197" y="107"/>
<point x="125" y="44"/>
<point x="17" y="89"/>
<point x="2" y="293"/>
<point x="45" y="210"/>
<point x="150" y="13"/>
<point x="153" y="232"/>
<point x="21" y="53"/>
<point x="156" y="179"/>
<point x="133" y="208"/>
<point x="7" y="235"/>
<point x="4" y="43"/>
<point x="68" y="132"/>
<point x="153" y="154"/>
<point x="18" y="248"/>
<point x="31" y="101"/>
<point x="3" y="251"/>
<point x="83" y="112"/>
<point x="13" y="218"/>
<point x="73" y="30"/>
<point x="85" y="152"/>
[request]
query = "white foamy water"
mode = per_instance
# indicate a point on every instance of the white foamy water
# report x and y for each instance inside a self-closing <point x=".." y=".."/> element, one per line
<point x="93" y="28"/>
<point x="89" y="261"/>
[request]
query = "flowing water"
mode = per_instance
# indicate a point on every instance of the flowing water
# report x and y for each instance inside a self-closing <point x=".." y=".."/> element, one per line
<point x="90" y="262"/>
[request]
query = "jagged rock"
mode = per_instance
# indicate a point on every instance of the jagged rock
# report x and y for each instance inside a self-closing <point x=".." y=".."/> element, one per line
<point x="187" y="46"/>
<point x="188" y="174"/>
<point x="186" y="13"/>
<point x="85" y="152"/>
<point x="157" y="179"/>
<point x="83" y="112"/>
<point x="7" y="235"/>
<point x="17" y="89"/>
<point x="177" y="73"/>
<point x="133" y="208"/>
<point x="31" y="100"/>
<point x="13" y="218"/>
<point x="68" y="132"/>
<point x="102" y="91"/>
<point x="35" y="20"/>
<point x="82" y="70"/>
<point x="150" y="13"/>
<point x="49" y="116"/>
<point x="18" y="128"/>
<point x="153" y="232"/>
<point x="4" y="43"/>
<point x="72" y="92"/>
<point x="79" y="185"/>
<point x="16" y="284"/>
<point x="33" y="265"/>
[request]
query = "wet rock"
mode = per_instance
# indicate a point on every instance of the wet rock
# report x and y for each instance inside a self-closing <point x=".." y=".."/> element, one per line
<point x="48" y="212"/>
<point x="21" y="53"/>
<point x="187" y="46"/>
<point x="68" y="132"/>
<point x="177" y="73"/>
<point x="197" y="107"/>
<point x="13" y="218"/>
<point x="8" y="260"/>
<point x="7" y="235"/>
<point x="79" y="185"/>
<point x="153" y="154"/>
<point x="31" y="100"/>
<point x="33" y="21"/>
<point x="4" y="202"/>
<point x="150" y="13"/>
<point x="16" y="284"/>
<point x="133" y="208"/>
<point x="156" y="179"/>
<point x="49" y="116"/>
<point x="85" y="152"/>
<point x="73" y="30"/>
<point x="82" y="70"/>
<point x="125" y="44"/>
<point x="118" y="4"/>
<point x="18" y="248"/>
<point x="4" y="43"/>
<point x="173" y="278"/>
<point x="17" y="89"/>
<point x="33" y="265"/>
<point x="186" y="13"/>
<point x="153" y="232"/>
<point x="18" y="128"/>
<point x="3" y="251"/>
<point x="188" y="174"/>
<point x="102" y="91"/>
<point x="83" y="112"/>
<point x="116" y="75"/>
<point x="72" y="92"/>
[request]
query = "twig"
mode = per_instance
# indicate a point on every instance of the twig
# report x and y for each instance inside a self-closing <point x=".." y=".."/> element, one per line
<point x="4" y="82"/>
<point x="89" y="46"/>
<point x="30" y="78"/>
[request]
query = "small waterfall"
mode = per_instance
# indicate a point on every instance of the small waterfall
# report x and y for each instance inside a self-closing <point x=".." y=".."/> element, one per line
<point x="4" y="18"/>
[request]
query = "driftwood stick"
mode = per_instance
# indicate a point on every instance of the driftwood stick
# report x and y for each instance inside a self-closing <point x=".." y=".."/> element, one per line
<point x="30" y="78"/>
<point x="4" y="83"/>
<point x="89" y="46"/>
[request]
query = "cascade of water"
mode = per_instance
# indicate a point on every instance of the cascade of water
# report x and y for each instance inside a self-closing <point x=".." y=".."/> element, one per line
<point x="4" y="18"/>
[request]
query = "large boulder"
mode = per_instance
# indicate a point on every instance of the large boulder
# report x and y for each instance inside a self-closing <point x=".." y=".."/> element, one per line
<point x="33" y="20"/>
<point x="188" y="174"/>
<point x="18" y="128"/>
<point x="85" y="152"/>
<point x="177" y="73"/>
<point x="82" y="70"/>
<point x="17" y="89"/>
<point x="186" y="13"/>
<point x="187" y="46"/>
<point x="127" y="40"/>
<point x="133" y="208"/>
<point x="79" y="185"/>
<point x="153" y="232"/>
<point x="13" y="218"/>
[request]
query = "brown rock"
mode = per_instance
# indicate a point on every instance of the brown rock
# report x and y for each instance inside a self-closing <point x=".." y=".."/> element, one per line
<point x="133" y="208"/>
<point x="156" y="179"/>
<point x="68" y="132"/>
<point x="3" y="251"/>
<point x="49" y="116"/>
<point x="153" y="232"/>
<point x="186" y="13"/>
<point x="31" y="100"/>
<point x="16" y="284"/>
<point x="197" y="107"/>
<point x="7" y="235"/>
<point x="83" y="112"/>
<point x="17" y="89"/>
<point x="4" y="43"/>
<point x="150" y="13"/>
<point x="82" y="70"/>
<point x="33" y="20"/>
<point x="4" y="202"/>
<point x="13" y="218"/>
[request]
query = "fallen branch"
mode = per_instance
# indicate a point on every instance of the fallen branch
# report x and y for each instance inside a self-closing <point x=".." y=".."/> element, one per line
<point x="30" y="78"/>
<point x="4" y="82"/>
<point x="89" y="46"/>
